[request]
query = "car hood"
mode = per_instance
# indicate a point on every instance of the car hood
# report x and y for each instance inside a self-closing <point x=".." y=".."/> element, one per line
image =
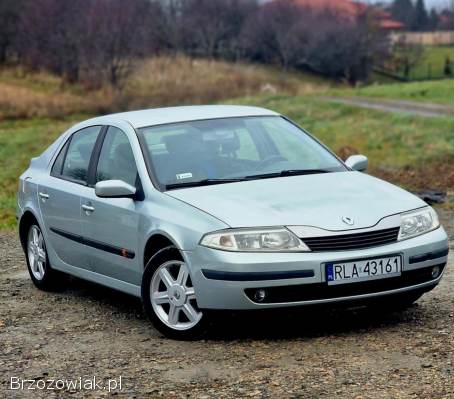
<point x="311" y="200"/>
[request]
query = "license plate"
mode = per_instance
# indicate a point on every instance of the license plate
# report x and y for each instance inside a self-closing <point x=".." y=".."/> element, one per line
<point x="363" y="270"/>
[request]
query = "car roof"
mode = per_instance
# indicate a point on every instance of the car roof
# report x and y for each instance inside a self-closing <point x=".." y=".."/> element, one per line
<point x="162" y="116"/>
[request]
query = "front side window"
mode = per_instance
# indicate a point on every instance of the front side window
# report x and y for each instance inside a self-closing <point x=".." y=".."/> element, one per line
<point x="78" y="154"/>
<point x="116" y="161"/>
<point x="186" y="153"/>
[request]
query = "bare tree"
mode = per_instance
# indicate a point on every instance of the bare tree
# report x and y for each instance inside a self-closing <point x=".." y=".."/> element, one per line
<point x="9" y="23"/>
<point x="404" y="57"/>
<point x="340" y="47"/>
<point x="211" y="27"/>
<point x="166" y="26"/>
<point x="117" y="33"/>
<point x="98" y="41"/>
<point x="51" y="37"/>
<point x="346" y="49"/>
<point x="86" y="40"/>
<point x="276" y="33"/>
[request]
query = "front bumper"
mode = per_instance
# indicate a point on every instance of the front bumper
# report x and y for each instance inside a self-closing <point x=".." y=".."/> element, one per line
<point x="223" y="280"/>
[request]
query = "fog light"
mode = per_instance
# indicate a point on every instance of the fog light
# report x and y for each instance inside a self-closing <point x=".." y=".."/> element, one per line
<point x="260" y="295"/>
<point x="436" y="271"/>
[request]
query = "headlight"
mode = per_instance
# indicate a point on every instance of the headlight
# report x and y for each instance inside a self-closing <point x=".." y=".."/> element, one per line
<point x="247" y="240"/>
<point x="418" y="222"/>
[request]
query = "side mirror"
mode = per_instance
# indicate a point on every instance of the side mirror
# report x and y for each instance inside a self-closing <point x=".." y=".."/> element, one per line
<point x="114" y="189"/>
<point x="357" y="162"/>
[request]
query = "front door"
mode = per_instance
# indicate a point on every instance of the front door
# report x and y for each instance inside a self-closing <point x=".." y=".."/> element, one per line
<point x="110" y="225"/>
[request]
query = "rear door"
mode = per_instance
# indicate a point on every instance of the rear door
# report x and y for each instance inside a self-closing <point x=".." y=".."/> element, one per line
<point x="110" y="225"/>
<point x="59" y="196"/>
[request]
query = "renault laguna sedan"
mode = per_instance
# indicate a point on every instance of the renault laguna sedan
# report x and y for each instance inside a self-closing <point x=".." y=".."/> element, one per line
<point x="195" y="209"/>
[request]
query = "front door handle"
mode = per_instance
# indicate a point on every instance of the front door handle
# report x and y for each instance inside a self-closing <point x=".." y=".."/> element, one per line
<point x="88" y="208"/>
<point x="43" y="196"/>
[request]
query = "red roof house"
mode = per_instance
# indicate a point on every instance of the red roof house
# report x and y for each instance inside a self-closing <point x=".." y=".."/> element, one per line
<point x="351" y="9"/>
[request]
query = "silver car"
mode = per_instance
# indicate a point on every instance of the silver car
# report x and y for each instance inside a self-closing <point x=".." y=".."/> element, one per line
<point x="221" y="207"/>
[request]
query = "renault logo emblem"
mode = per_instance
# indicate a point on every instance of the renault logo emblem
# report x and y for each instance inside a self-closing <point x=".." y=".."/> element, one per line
<point x="348" y="220"/>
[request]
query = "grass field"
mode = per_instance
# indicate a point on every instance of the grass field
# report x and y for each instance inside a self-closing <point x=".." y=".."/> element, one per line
<point x="432" y="64"/>
<point x="412" y="151"/>
<point x="434" y="91"/>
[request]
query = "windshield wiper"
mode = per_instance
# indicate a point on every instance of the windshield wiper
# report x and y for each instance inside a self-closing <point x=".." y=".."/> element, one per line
<point x="289" y="172"/>
<point x="282" y="173"/>
<point x="205" y="182"/>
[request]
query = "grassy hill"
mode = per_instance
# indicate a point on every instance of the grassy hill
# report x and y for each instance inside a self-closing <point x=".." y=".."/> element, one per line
<point x="158" y="82"/>
<point x="412" y="151"/>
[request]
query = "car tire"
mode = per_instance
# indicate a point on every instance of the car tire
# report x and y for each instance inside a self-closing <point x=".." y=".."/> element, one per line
<point x="41" y="273"/>
<point x="169" y="298"/>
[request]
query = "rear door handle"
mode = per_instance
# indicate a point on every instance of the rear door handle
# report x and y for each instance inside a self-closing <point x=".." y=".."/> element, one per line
<point x="44" y="196"/>
<point x="88" y="208"/>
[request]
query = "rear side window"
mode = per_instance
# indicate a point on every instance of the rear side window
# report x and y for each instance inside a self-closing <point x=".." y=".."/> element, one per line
<point x="78" y="154"/>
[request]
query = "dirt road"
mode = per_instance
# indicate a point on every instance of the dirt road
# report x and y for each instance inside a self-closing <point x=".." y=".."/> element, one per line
<point x="89" y="331"/>
<point x="407" y="107"/>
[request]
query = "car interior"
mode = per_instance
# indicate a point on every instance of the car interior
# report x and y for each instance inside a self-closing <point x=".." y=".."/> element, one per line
<point x="201" y="157"/>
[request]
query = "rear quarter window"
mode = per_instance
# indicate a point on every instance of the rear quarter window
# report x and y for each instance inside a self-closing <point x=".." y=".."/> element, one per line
<point x="74" y="159"/>
<point x="58" y="164"/>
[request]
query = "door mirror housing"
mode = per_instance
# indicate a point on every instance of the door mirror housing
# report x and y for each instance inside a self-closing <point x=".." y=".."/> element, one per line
<point x="114" y="189"/>
<point x="357" y="162"/>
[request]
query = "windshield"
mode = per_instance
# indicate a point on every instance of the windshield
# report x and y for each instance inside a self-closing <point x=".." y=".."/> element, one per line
<point x="233" y="149"/>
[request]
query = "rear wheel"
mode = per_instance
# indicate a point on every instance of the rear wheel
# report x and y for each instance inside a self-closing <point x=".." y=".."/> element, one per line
<point x="41" y="273"/>
<point x="169" y="297"/>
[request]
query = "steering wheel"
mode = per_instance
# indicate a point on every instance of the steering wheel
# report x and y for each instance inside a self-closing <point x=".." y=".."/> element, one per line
<point x="271" y="159"/>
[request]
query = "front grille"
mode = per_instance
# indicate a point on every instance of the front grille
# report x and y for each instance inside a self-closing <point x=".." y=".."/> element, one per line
<point x="319" y="291"/>
<point x="352" y="241"/>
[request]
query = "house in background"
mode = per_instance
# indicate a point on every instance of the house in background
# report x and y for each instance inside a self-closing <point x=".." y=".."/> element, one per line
<point x="382" y="18"/>
<point x="350" y="9"/>
<point x="386" y="22"/>
<point x="447" y="20"/>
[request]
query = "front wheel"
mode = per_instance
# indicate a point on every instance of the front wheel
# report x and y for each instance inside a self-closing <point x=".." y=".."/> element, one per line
<point x="169" y="297"/>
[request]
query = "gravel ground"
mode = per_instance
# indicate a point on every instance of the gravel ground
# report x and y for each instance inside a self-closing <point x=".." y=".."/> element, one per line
<point x="88" y="331"/>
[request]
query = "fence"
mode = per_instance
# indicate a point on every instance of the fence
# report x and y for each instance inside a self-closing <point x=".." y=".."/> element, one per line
<point x="441" y="38"/>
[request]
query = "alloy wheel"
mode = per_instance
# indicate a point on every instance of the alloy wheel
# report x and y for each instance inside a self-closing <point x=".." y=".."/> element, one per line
<point x="36" y="252"/>
<point x="173" y="297"/>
